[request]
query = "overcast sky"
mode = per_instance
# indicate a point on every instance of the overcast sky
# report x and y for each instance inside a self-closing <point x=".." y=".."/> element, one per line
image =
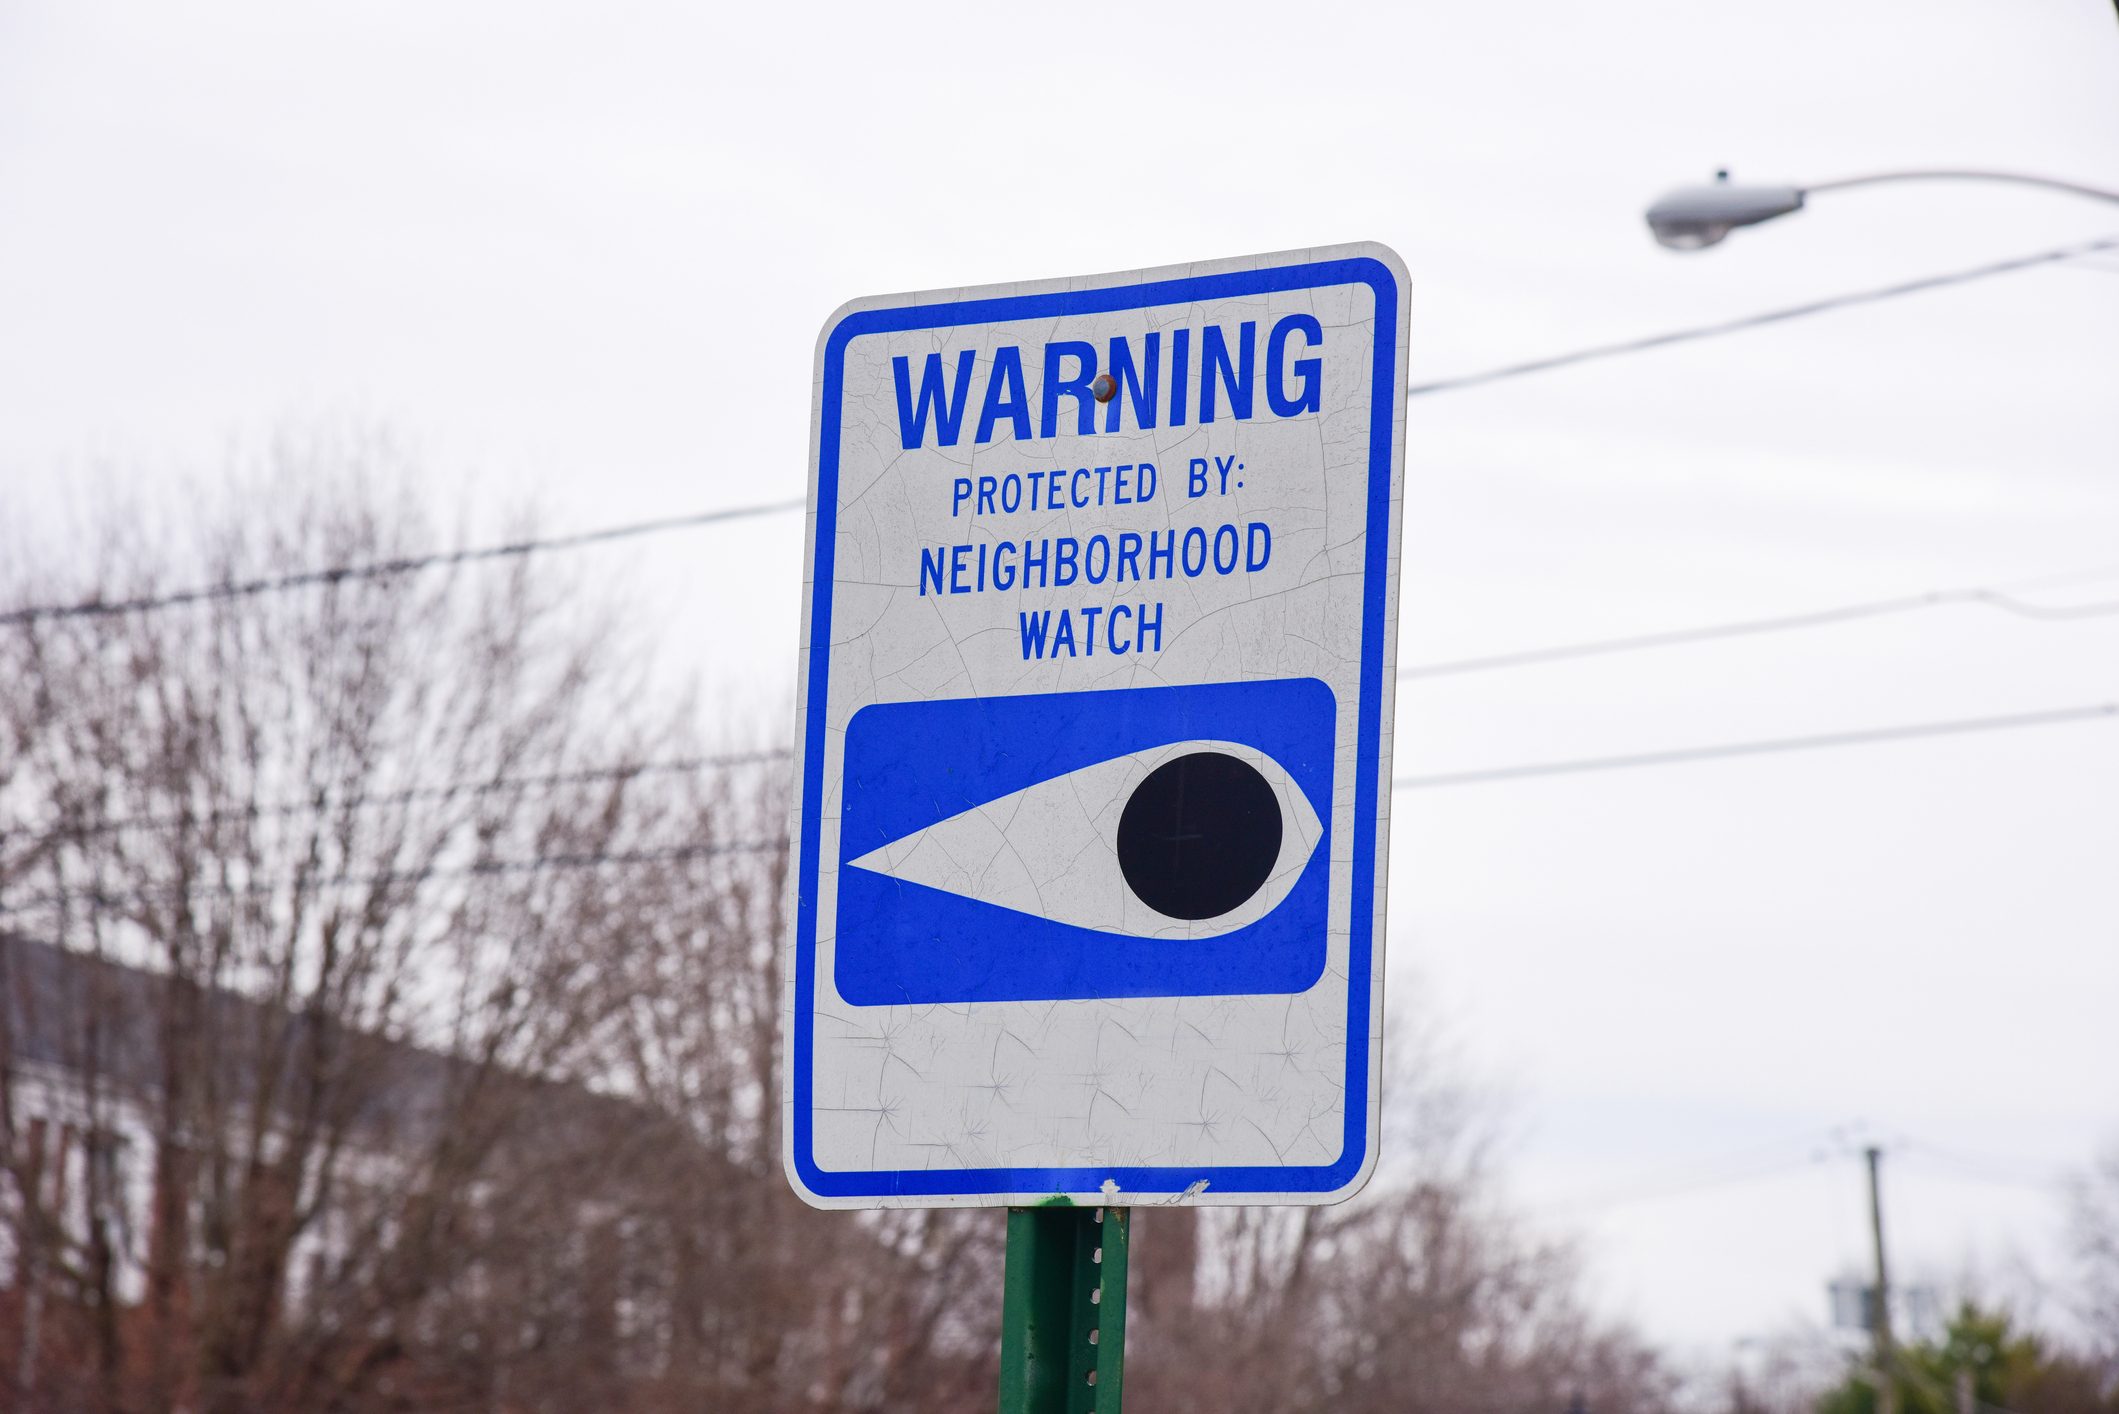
<point x="582" y="255"/>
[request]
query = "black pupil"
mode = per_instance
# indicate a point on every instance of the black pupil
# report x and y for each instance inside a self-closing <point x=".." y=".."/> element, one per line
<point x="1199" y="835"/>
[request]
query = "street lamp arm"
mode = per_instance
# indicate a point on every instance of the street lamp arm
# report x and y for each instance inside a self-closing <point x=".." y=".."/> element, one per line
<point x="1693" y="218"/>
<point x="1968" y="175"/>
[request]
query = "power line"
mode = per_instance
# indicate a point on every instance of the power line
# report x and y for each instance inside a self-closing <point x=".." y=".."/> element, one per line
<point x="1757" y="321"/>
<point x="412" y="564"/>
<point x="1704" y="1171"/>
<point x="1618" y="1198"/>
<point x="673" y="854"/>
<point x="1581" y="765"/>
<point x="384" y="569"/>
<point x="1984" y="1169"/>
<point x="2055" y="717"/>
<point x="445" y="791"/>
<point x="1846" y="613"/>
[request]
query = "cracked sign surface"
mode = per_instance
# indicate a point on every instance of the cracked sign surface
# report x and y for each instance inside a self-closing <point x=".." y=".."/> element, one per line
<point x="1092" y="806"/>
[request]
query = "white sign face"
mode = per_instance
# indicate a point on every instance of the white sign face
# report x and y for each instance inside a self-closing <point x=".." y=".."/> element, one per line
<point x="1094" y="738"/>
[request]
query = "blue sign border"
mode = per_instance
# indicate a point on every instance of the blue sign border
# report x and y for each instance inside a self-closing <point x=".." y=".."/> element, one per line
<point x="1252" y="1178"/>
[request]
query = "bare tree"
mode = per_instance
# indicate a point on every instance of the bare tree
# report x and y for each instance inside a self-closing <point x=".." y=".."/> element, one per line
<point x="2095" y="1229"/>
<point x="376" y="1034"/>
<point x="390" y="1019"/>
<point x="765" y="1304"/>
<point x="308" y="893"/>
<point x="1420" y="1294"/>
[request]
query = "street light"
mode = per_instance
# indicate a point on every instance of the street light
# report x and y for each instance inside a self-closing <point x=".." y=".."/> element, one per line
<point x="1693" y="218"/>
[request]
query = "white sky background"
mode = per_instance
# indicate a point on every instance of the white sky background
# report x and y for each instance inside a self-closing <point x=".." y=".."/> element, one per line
<point x="584" y="256"/>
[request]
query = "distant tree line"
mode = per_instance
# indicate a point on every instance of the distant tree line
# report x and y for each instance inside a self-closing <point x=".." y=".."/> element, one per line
<point x="1981" y="1361"/>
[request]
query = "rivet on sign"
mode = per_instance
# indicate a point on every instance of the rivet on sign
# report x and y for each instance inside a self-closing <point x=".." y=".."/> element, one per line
<point x="1103" y="387"/>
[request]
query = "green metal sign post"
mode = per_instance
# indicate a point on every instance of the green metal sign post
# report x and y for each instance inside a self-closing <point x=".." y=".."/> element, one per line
<point x="1063" y="1310"/>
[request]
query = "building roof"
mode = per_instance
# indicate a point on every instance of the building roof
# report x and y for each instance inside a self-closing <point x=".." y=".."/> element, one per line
<point x="113" y="1024"/>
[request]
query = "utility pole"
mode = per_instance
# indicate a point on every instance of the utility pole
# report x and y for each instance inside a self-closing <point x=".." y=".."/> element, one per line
<point x="1880" y="1323"/>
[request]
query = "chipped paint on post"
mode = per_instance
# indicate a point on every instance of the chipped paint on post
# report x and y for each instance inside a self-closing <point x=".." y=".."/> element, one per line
<point x="1094" y="732"/>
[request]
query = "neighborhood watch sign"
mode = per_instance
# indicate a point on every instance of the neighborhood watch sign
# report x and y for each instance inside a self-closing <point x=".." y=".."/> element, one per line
<point x="1095" y="724"/>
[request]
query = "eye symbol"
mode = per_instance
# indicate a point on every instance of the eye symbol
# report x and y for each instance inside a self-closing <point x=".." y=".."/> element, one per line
<point x="1191" y="840"/>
